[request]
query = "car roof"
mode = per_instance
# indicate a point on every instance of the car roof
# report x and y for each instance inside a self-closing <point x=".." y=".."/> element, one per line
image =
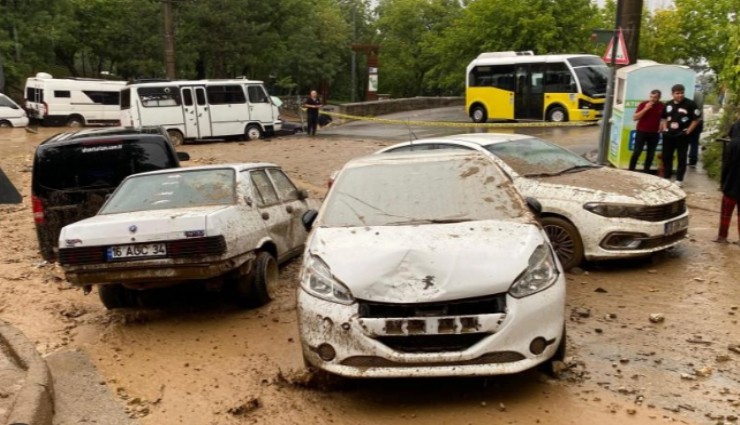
<point x="473" y="140"/>
<point x="413" y="158"/>
<point x="123" y="133"/>
<point x="238" y="167"/>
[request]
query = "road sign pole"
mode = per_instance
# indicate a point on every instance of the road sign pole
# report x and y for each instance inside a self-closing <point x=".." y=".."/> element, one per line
<point x="606" y="120"/>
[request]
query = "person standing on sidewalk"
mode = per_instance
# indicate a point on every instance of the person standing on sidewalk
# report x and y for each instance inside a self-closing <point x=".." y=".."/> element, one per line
<point x="647" y="115"/>
<point x="312" y="105"/>
<point x="680" y="118"/>
<point x="730" y="184"/>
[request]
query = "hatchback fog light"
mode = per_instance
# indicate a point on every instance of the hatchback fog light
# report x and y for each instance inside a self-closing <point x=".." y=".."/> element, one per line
<point x="538" y="345"/>
<point x="326" y="352"/>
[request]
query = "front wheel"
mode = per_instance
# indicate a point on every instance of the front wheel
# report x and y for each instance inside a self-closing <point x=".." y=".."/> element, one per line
<point x="566" y="241"/>
<point x="479" y="114"/>
<point x="557" y="114"/>
<point x="253" y="132"/>
<point x="5" y="124"/>
<point x="75" y="121"/>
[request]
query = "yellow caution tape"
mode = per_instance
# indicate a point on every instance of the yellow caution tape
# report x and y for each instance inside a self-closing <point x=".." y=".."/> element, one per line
<point x="462" y="124"/>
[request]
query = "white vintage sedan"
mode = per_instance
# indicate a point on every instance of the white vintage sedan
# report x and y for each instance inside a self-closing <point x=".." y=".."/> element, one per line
<point x="224" y="224"/>
<point x="428" y="265"/>
<point x="588" y="211"/>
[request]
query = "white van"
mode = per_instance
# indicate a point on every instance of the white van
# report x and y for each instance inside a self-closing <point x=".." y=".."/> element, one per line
<point x="11" y="115"/>
<point x="73" y="101"/>
<point x="204" y="109"/>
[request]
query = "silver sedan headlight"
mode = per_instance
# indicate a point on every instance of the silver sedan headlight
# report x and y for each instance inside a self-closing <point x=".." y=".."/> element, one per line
<point x="541" y="273"/>
<point x="316" y="279"/>
<point x="613" y="210"/>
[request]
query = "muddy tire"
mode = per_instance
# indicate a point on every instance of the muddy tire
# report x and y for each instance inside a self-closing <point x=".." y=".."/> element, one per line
<point x="5" y="124"/>
<point x="115" y="296"/>
<point x="253" y="132"/>
<point x="548" y="367"/>
<point x="75" y="121"/>
<point x="258" y="287"/>
<point x="478" y="114"/>
<point x="176" y="138"/>
<point x="566" y="241"/>
<point x="557" y="114"/>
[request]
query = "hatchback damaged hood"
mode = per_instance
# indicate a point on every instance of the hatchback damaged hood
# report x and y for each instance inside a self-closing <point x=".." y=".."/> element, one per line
<point x="427" y="263"/>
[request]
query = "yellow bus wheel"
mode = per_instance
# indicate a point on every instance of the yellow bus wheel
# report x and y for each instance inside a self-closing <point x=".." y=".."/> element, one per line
<point x="479" y="114"/>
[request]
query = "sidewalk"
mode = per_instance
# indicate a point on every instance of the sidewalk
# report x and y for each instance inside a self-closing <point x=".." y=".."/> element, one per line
<point x="26" y="390"/>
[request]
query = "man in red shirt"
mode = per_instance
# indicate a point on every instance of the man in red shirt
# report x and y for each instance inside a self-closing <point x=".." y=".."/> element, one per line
<point x="647" y="115"/>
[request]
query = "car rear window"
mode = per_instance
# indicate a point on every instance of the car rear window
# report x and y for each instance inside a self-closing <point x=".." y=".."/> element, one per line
<point x="93" y="164"/>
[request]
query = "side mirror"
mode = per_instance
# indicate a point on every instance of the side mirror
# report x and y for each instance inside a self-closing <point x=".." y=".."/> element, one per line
<point x="534" y="205"/>
<point x="183" y="156"/>
<point x="302" y="194"/>
<point x="308" y="218"/>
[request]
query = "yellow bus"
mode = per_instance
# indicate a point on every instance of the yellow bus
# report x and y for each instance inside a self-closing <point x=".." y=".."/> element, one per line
<point x="524" y="86"/>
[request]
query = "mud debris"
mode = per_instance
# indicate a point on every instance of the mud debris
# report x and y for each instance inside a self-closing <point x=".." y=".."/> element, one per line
<point x="246" y="407"/>
<point x="657" y="318"/>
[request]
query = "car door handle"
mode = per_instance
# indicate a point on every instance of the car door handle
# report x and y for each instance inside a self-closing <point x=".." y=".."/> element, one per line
<point x="289" y="209"/>
<point x="265" y="216"/>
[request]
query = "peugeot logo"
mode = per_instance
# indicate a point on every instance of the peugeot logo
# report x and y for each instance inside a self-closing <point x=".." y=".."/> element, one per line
<point x="132" y="228"/>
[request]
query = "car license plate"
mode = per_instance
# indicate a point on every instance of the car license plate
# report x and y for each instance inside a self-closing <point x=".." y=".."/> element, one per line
<point x="676" y="225"/>
<point x="139" y="250"/>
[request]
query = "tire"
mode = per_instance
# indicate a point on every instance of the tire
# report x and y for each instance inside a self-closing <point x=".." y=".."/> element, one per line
<point x="253" y="132"/>
<point x="565" y="239"/>
<point x="258" y="287"/>
<point x="115" y="296"/>
<point x="557" y="114"/>
<point x="478" y="114"/>
<point x="6" y="124"/>
<point x="176" y="138"/>
<point x="548" y="367"/>
<point x="46" y="245"/>
<point x="75" y="121"/>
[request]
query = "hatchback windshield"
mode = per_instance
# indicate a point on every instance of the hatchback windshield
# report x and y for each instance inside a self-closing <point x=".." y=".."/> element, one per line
<point x="173" y="190"/>
<point x="536" y="157"/>
<point x="435" y="190"/>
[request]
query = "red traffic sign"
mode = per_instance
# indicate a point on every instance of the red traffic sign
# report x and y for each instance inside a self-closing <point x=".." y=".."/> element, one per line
<point x="621" y="57"/>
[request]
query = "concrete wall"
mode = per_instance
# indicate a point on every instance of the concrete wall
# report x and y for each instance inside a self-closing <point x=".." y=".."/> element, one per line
<point x="389" y="106"/>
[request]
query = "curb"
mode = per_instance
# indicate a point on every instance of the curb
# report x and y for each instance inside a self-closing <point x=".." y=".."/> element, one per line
<point x="34" y="403"/>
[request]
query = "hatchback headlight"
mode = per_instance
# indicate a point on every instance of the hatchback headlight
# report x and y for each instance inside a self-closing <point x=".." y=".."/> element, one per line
<point x="316" y="279"/>
<point x="541" y="273"/>
<point x="613" y="210"/>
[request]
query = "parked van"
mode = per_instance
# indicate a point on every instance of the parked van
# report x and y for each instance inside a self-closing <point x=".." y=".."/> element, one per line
<point x="204" y="109"/>
<point x="11" y="115"/>
<point x="74" y="172"/>
<point x="74" y="102"/>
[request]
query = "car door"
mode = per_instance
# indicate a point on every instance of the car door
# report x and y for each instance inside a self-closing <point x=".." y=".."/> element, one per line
<point x="260" y="105"/>
<point x="294" y="206"/>
<point x="277" y="220"/>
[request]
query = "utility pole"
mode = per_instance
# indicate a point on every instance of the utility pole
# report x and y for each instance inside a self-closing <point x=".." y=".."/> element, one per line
<point x="353" y="93"/>
<point x="631" y="23"/>
<point x="169" y="40"/>
<point x="606" y="120"/>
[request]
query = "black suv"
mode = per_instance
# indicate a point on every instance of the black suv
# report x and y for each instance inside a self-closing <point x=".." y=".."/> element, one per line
<point x="74" y="172"/>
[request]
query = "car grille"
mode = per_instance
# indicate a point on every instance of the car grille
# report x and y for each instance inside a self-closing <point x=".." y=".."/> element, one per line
<point x="212" y="245"/>
<point x="432" y="343"/>
<point x="663" y="240"/>
<point x="489" y="358"/>
<point x="660" y="212"/>
<point x="492" y="304"/>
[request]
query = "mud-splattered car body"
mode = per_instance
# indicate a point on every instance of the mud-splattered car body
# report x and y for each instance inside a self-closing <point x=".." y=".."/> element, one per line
<point x="197" y="223"/>
<point x="428" y="265"/>
<point x="589" y="211"/>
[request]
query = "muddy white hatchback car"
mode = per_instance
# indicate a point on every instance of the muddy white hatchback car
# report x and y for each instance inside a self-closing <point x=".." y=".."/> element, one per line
<point x="428" y="265"/>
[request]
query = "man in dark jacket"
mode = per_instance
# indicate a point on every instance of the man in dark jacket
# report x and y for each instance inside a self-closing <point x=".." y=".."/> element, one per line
<point x="680" y="118"/>
<point x="730" y="183"/>
<point x="312" y="105"/>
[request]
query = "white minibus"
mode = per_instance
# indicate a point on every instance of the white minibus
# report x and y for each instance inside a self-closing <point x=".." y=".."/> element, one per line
<point x="201" y="110"/>
<point x="11" y="115"/>
<point x="73" y="102"/>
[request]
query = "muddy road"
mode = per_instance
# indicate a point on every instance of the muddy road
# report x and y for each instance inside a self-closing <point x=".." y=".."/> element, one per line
<point x="198" y="359"/>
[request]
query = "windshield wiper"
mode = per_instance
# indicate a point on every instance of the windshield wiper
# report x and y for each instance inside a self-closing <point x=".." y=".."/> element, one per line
<point x="415" y="221"/>
<point x="573" y="169"/>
